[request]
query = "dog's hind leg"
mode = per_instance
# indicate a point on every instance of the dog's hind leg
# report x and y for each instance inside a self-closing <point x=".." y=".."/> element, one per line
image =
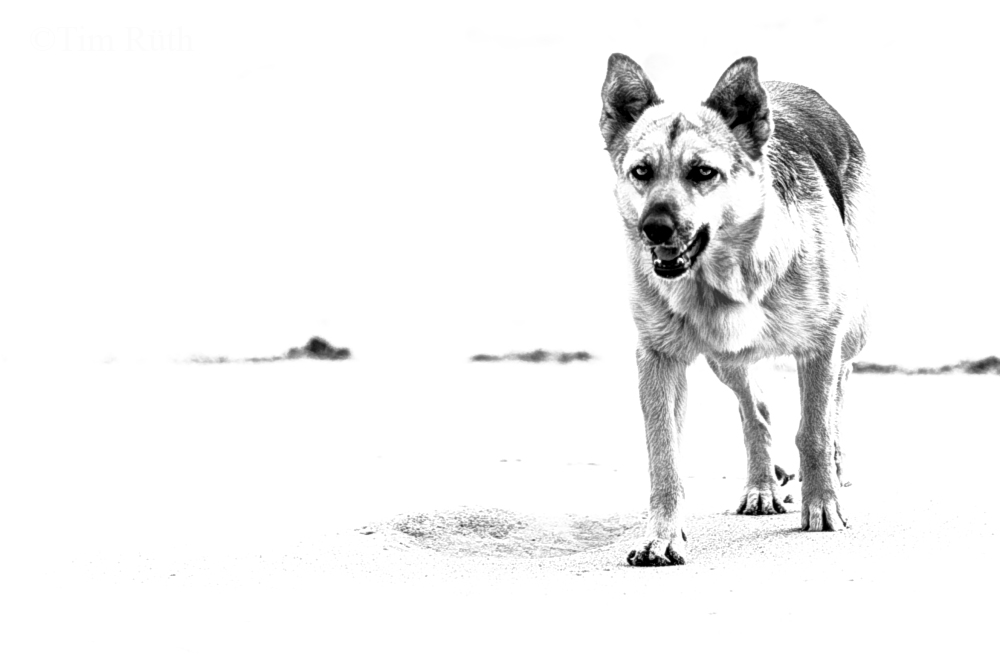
<point x="849" y="349"/>
<point x="761" y="493"/>
<point x="838" y="454"/>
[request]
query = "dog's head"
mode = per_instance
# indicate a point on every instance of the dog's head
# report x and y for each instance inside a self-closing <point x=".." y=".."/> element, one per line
<point x="685" y="179"/>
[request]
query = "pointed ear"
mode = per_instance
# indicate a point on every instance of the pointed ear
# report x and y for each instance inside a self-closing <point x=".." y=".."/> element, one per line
<point x="627" y="92"/>
<point x="742" y="102"/>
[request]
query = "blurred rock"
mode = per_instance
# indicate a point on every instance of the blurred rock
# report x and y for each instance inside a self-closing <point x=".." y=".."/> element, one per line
<point x="317" y="348"/>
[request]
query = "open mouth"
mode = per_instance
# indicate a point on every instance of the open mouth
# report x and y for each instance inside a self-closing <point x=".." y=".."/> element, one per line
<point x="669" y="262"/>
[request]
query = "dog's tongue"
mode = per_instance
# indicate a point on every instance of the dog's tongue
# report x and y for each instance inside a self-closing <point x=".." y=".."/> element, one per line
<point x="666" y="253"/>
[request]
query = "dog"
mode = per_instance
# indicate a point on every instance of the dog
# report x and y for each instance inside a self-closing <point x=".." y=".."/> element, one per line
<point x="742" y="218"/>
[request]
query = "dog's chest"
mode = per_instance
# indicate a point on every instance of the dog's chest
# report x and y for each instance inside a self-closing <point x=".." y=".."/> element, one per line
<point x="689" y="326"/>
<point x="728" y="328"/>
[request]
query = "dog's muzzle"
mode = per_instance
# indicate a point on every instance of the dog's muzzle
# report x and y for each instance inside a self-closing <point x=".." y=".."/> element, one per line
<point x="669" y="261"/>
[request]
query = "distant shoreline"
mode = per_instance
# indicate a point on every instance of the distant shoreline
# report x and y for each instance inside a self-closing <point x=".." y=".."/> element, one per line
<point x="318" y="348"/>
<point x="986" y="366"/>
<point x="535" y="357"/>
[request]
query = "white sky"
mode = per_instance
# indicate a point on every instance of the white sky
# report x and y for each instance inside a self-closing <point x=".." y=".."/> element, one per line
<point x="232" y="178"/>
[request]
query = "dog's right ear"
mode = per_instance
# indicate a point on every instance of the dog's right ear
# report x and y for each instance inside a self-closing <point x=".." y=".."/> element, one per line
<point x="627" y="92"/>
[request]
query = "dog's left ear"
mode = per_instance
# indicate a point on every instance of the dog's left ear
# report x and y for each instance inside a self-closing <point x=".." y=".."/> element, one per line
<point x="627" y="92"/>
<point x="742" y="102"/>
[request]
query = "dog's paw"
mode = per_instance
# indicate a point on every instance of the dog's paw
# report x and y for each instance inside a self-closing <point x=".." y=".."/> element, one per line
<point x="658" y="553"/>
<point x="761" y="499"/>
<point x="783" y="477"/>
<point x="821" y="511"/>
<point x="838" y="459"/>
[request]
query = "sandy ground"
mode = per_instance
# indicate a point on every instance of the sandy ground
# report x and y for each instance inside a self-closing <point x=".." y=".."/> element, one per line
<point x="356" y="513"/>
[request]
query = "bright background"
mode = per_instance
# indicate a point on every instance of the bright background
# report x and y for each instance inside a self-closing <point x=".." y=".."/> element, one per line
<point x="429" y="178"/>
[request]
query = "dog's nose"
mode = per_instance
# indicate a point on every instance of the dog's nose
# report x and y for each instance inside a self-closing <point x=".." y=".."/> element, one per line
<point x="657" y="223"/>
<point x="659" y="229"/>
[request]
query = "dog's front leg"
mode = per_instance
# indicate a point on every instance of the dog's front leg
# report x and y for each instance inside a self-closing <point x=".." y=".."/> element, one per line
<point x="663" y="393"/>
<point x="819" y="376"/>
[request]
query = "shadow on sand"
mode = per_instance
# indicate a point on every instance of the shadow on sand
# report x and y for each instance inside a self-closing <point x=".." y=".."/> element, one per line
<point x="502" y="533"/>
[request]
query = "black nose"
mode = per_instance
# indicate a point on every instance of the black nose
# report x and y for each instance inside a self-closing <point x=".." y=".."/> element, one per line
<point x="658" y="232"/>
<point x="658" y="225"/>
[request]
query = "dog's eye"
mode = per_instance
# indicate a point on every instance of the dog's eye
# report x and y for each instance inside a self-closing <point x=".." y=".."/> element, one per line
<point x="641" y="173"/>
<point x="702" y="173"/>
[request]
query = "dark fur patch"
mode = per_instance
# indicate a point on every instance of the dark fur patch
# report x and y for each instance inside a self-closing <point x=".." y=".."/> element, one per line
<point x="762" y="408"/>
<point x="675" y="129"/>
<point x="810" y="130"/>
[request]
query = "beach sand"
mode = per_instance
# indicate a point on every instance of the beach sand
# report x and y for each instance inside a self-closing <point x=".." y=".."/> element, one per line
<point x="355" y="512"/>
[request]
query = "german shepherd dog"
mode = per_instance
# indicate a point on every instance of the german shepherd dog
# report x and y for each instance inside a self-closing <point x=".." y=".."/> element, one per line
<point x="741" y="216"/>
